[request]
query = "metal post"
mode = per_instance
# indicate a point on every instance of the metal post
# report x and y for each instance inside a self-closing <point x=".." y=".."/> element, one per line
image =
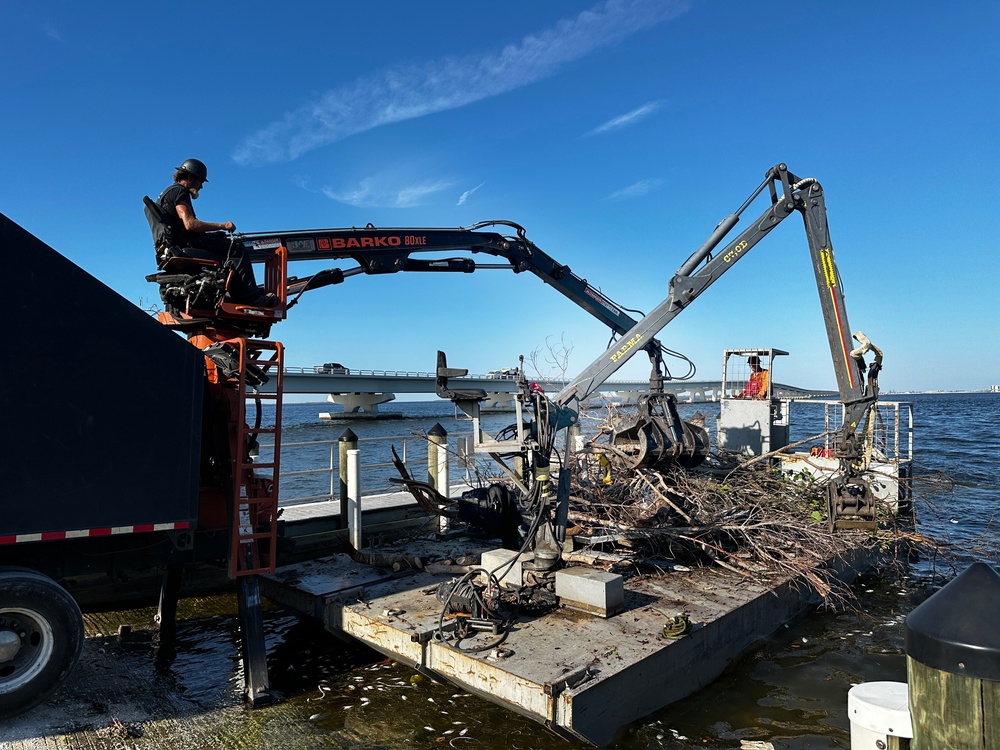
<point x="466" y="451"/>
<point x="348" y="442"/>
<point x="437" y="466"/>
<point x="354" y="498"/>
<point x="170" y="594"/>
<point x="444" y="523"/>
<point x="575" y="448"/>
<point x="256" y="683"/>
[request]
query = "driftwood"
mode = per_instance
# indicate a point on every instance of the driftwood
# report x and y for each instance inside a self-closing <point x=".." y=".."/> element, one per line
<point x="438" y="568"/>
<point x="388" y="560"/>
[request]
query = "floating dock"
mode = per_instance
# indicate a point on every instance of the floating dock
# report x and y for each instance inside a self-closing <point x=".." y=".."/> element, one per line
<point x="581" y="675"/>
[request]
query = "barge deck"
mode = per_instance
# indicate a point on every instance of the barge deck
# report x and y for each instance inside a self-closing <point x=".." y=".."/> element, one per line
<point x="581" y="675"/>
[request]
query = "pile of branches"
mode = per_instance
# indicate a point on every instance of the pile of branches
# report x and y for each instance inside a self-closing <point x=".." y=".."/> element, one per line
<point x="750" y="520"/>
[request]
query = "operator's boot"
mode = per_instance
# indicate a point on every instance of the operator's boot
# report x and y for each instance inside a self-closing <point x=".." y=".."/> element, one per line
<point x="265" y="299"/>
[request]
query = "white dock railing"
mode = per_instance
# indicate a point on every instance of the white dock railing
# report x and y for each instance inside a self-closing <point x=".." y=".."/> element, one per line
<point x="321" y="482"/>
<point x="315" y="473"/>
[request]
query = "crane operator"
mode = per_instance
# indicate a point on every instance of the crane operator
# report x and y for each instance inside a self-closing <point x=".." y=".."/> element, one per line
<point x="756" y="386"/>
<point x="208" y="240"/>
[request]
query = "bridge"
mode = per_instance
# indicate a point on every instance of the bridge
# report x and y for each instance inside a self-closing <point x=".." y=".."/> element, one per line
<point x="361" y="391"/>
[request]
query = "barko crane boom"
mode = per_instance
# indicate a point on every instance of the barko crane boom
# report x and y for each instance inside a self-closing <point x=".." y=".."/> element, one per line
<point x="385" y="250"/>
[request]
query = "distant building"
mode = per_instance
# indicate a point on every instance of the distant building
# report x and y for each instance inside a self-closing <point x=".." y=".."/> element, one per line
<point x="995" y="389"/>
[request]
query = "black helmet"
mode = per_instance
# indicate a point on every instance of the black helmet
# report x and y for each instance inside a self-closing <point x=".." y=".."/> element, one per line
<point x="195" y="167"/>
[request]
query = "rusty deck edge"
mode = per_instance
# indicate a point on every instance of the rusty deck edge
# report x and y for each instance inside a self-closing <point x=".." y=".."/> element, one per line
<point x="597" y="710"/>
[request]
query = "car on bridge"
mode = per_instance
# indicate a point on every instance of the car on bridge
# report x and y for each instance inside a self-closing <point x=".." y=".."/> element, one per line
<point x="504" y="373"/>
<point x="331" y="368"/>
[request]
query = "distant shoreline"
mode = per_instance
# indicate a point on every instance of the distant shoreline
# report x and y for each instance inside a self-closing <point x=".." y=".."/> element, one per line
<point x="935" y="393"/>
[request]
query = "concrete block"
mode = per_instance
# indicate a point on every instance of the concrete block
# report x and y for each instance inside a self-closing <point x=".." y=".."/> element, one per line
<point x="588" y="590"/>
<point x="498" y="559"/>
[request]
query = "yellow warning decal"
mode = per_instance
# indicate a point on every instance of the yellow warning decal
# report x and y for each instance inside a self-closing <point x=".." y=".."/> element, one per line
<point x="826" y="256"/>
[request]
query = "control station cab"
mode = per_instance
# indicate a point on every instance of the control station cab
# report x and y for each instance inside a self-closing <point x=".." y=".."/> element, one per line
<point x="751" y="420"/>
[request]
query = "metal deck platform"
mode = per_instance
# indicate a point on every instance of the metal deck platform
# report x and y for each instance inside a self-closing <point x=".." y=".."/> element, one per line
<point x="580" y="675"/>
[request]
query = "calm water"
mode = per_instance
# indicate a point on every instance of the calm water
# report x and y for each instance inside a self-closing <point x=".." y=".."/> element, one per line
<point x="790" y="690"/>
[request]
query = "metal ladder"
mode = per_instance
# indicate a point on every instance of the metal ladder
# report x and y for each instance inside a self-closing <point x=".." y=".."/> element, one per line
<point x="254" y="514"/>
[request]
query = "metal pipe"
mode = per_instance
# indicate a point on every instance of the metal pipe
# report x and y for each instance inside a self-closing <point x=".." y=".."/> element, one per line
<point x="722" y="230"/>
<point x="354" y="498"/>
<point x="444" y="523"/>
<point x="348" y="442"/>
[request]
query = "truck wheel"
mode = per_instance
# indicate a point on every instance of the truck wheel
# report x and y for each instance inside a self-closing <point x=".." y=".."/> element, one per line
<point x="41" y="635"/>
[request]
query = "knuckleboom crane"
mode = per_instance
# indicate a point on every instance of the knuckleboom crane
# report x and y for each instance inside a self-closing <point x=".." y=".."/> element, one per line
<point x="657" y="435"/>
<point x="850" y="500"/>
<point x="849" y="495"/>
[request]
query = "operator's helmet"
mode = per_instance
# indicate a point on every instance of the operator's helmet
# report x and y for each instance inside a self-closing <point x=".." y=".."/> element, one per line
<point x="195" y="167"/>
<point x="753" y="360"/>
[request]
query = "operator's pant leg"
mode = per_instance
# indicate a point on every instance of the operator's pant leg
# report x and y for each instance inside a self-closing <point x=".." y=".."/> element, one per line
<point x="217" y="246"/>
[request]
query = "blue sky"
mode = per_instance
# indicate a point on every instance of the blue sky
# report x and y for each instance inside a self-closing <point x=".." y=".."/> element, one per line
<point x="617" y="133"/>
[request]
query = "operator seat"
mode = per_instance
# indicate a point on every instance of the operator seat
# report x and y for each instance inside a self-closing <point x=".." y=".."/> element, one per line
<point x="167" y="252"/>
<point x="193" y="290"/>
<point x="442" y="388"/>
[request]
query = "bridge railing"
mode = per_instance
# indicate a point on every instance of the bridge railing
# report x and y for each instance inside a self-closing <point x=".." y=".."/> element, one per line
<point x="375" y="373"/>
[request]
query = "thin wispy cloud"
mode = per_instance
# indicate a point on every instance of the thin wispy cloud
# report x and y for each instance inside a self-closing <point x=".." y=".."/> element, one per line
<point x="629" y="118"/>
<point x="372" y="193"/>
<point x="51" y="32"/>
<point x="465" y="196"/>
<point x="404" y="93"/>
<point x="636" y="189"/>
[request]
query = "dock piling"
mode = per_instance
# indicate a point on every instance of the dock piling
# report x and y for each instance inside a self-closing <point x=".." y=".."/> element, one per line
<point x="953" y="664"/>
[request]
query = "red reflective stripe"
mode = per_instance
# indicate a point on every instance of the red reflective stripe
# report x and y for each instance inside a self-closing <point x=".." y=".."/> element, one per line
<point x="50" y="536"/>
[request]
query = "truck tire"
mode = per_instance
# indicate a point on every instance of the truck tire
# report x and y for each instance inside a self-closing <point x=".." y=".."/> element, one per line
<point x="41" y="635"/>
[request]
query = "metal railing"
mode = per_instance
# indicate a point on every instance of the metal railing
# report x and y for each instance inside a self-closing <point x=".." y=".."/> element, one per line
<point x="349" y="371"/>
<point x="892" y="428"/>
<point x="385" y="373"/>
<point x="321" y="480"/>
<point x="315" y="466"/>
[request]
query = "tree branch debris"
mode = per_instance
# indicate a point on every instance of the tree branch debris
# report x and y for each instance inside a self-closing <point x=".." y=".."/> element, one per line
<point x="750" y="520"/>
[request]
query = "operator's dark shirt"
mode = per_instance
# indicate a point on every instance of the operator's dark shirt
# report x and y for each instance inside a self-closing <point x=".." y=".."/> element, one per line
<point x="169" y="199"/>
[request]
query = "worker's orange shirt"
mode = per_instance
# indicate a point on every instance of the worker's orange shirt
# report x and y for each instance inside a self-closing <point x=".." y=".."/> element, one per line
<point x="756" y="386"/>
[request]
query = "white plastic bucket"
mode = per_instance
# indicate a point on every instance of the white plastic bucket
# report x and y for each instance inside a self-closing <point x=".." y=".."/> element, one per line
<point x="878" y="710"/>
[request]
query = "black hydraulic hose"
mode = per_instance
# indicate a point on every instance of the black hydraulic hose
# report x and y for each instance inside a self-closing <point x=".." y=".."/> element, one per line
<point x="439" y="634"/>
